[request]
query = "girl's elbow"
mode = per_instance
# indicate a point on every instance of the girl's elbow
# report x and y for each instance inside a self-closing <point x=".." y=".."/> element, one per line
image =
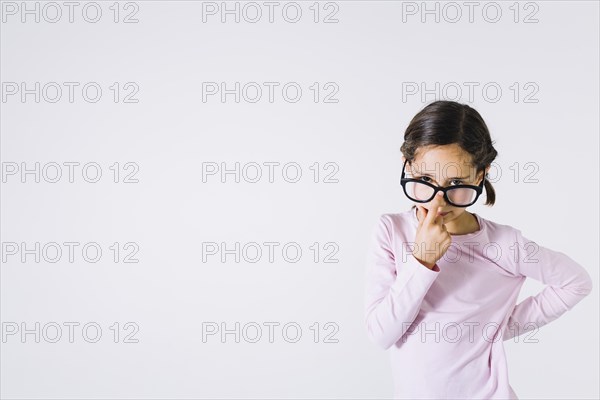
<point x="379" y="337"/>
<point x="381" y="341"/>
<point x="587" y="286"/>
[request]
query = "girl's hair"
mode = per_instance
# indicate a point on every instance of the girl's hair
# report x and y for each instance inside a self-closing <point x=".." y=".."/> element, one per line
<point x="447" y="122"/>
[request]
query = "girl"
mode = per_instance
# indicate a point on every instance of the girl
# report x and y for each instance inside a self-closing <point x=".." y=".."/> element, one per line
<point x="441" y="282"/>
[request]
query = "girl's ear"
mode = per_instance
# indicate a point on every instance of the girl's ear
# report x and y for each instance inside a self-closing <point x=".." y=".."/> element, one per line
<point x="484" y="173"/>
<point x="487" y="170"/>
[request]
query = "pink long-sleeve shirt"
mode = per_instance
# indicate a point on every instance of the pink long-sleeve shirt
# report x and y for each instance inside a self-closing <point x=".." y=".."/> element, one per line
<point x="445" y="327"/>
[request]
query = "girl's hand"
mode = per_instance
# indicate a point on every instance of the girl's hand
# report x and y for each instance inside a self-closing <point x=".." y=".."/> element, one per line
<point x="432" y="238"/>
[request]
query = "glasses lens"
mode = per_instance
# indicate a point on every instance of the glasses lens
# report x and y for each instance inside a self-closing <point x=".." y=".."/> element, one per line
<point x="462" y="196"/>
<point x="418" y="191"/>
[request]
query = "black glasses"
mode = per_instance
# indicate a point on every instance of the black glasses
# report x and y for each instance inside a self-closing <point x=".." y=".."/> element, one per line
<point x="423" y="192"/>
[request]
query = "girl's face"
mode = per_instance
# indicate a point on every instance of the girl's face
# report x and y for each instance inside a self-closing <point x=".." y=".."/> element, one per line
<point x="444" y="166"/>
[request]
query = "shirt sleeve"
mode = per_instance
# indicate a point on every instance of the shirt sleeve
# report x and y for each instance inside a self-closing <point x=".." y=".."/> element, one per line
<point x="567" y="283"/>
<point x="393" y="296"/>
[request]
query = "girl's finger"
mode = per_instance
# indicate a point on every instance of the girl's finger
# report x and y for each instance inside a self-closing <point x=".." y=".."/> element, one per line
<point x="435" y="204"/>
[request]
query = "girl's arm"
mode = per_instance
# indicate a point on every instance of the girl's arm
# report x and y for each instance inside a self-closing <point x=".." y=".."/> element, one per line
<point x="393" y="296"/>
<point x="567" y="284"/>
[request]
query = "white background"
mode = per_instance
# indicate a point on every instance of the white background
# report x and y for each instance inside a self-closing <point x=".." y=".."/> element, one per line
<point x="370" y="54"/>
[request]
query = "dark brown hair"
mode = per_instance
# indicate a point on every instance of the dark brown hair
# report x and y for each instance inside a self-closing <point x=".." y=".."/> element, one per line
<point x="445" y="122"/>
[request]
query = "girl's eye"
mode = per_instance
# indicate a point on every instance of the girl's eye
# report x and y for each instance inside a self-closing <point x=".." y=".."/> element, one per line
<point x="458" y="182"/>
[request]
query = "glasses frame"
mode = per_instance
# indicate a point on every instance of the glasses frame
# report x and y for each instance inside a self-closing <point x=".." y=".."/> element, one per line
<point x="404" y="181"/>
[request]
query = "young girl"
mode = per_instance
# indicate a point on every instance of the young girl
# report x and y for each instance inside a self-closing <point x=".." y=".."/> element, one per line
<point x="442" y="283"/>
